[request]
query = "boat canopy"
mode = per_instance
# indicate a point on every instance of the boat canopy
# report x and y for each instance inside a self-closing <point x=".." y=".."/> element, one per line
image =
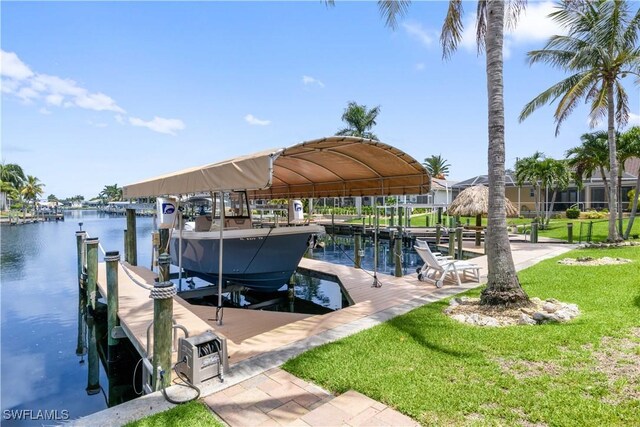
<point x="336" y="166"/>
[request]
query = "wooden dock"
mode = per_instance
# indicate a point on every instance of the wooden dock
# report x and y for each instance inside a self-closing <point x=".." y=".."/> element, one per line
<point x="252" y="332"/>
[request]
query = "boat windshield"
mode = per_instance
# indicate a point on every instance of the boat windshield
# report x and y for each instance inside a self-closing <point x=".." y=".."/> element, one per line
<point x="235" y="205"/>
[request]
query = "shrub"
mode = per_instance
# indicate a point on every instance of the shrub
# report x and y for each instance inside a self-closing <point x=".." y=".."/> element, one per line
<point x="573" y="212"/>
<point x="592" y="214"/>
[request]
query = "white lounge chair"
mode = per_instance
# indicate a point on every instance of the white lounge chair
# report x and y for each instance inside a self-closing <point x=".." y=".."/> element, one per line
<point x="423" y="244"/>
<point x="443" y="267"/>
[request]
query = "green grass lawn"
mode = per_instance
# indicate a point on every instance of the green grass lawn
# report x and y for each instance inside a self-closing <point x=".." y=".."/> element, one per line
<point x="192" y="414"/>
<point x="557" y="227"/>
<point x="441" y="372"/>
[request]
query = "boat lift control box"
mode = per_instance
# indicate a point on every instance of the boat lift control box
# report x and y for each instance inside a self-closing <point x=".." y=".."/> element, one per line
<point x="204" y="356"/>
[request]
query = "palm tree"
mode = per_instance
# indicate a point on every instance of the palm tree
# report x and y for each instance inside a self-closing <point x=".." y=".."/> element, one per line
<point x="599" y="52"/>
<point x="12" y="177"/>
<point x="437" y="166"/>
<point x="112" y="193"/>
<point x="359" y="120"/>
<point x="630" y="146"/>
<point x="591" y="155"/>
<point x="503" y="287"/>
<point x="555" y="175"/>
<point x="527" y="170"/>
<point x="32" y="189"/>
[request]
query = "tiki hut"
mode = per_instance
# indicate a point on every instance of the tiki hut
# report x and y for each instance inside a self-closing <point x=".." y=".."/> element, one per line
<point x="474" y="201"/>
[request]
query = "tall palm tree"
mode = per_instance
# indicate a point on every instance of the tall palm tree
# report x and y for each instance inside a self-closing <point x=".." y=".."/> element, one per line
<point x="599" y="51"/>
<point x="31" y="190"/>
<point x="437" y="166"/>
<point x="359" y="120"/>
<point x="591" y="155"/>
<point x="503" y="287"/>
<point x="630" y="145"/>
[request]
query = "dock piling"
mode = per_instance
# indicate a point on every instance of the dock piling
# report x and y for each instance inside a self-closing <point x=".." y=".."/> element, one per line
<point x="459" y="241"/>
<point x="357" y="242"/>
<point x="162" y="325"/>
<point x="397" y="254"/>
<point x="131" y="239"/>
<point x="82" y="255"/>
<point x="92" y="271"/>
<point x="452" y="242"/>
<point x="438" y="233"/>
<point x="112" y="260"/>
<point x="164" y="242"/>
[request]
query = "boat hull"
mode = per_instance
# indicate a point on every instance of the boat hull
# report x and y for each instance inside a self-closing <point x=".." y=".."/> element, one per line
<point x="260" y="259"/>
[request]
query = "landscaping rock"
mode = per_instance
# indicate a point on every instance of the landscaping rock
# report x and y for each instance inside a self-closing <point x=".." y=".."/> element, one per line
<point x="525" y="319"/>
<point x="550" y="307"/>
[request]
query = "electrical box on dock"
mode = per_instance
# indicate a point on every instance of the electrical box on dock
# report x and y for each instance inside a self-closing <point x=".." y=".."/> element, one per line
<point x="204" y="356"/>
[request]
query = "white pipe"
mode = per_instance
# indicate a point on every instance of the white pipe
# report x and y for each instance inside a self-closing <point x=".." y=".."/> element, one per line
<point x="220" y="255"/>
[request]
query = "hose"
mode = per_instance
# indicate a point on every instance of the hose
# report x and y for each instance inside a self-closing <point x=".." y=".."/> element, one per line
<point x="187" y="383"/>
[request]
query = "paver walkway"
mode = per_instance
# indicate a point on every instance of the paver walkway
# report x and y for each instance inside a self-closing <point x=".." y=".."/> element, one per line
<point x="277" y="398"/>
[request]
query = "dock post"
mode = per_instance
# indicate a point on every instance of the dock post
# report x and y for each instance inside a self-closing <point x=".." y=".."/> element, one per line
<point x="459" y="239"/>
<point x="112" y="260"/>
<point x="92" y="271"/>
<point x="478" y="230"/>
<point x="162" y="325"/>
<point x="82" y="255"/>
<point x="397" y="254"/>
<point x="534" y="232"/>
<point x="452" y="242"/>
<point x="440" y="215"/>
<point x="438" y="233"/>
<point x="131" y="239"/>
<point x="164" y="240"/>
<point x="357" y="242"/>
<point x="569" y="232"/>
<point x="93" y="380"/>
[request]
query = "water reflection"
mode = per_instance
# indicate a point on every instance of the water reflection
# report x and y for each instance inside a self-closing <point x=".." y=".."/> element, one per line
<point x="41" y="346"/>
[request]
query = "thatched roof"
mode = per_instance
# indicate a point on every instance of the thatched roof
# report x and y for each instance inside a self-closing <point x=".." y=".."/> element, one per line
<point x="474" y="201"/>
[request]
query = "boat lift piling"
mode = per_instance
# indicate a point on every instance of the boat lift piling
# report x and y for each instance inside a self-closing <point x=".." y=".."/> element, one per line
<point x="162" y="325"/>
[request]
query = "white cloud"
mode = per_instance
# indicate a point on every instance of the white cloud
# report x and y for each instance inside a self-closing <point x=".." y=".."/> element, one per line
<point x="535" y="25"/>
<point x="11" y="66"/>
<point x="254" y="121"/>
<point x="98" y="125"/>
<point x="634" y="119"/>
<point x="420" y="66"/>
<point x="416" y="31"/>
<point x="54" y="99"/>
<point x="20" y="81"/>
<point x="159" y="124"/>
<point x="308" y="80"/>
<point x="97" y="102"/>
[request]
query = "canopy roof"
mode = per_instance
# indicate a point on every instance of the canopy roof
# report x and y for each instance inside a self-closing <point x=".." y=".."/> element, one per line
<point x="336" y="166"/>
<point x="474" y="201"/>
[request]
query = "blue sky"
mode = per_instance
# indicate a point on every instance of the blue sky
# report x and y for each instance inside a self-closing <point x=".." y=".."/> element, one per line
<point x="102" y="93"/>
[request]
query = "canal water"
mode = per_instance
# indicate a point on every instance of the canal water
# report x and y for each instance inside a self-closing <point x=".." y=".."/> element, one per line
<point x="40" y="370"/>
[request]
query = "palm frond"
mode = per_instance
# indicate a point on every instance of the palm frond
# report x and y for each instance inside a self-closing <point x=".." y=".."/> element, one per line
<point x="622" y="105"/>
<point x="549" y="95"/>
<point x="481" y="25"/>
<point x="392" y="10"/>
<point x="514" y="9"/>
<point x="452" y="28"/>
